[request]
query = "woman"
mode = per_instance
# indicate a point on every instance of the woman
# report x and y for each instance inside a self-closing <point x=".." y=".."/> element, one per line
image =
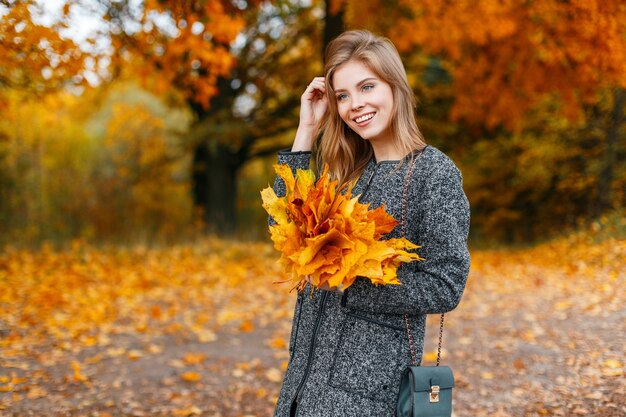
<point x="348" y="349"/>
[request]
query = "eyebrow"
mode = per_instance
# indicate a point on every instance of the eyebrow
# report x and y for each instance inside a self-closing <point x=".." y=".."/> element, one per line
<point x="363" y="81"/>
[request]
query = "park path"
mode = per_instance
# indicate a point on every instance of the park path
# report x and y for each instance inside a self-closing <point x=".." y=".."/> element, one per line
<point x="526" y="340"/>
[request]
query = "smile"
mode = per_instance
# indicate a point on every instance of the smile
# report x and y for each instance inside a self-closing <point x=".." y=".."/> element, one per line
<point x="365" y="117"/>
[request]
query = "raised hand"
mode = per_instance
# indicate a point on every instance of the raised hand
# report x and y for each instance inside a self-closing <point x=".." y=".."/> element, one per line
<point x="313" y="105"/>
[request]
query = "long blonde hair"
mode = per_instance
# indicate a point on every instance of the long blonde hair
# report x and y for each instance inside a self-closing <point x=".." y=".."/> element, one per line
<point x="341" y="148"/>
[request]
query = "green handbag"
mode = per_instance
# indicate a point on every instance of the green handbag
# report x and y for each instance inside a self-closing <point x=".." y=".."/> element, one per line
<point x="425" y="391"/>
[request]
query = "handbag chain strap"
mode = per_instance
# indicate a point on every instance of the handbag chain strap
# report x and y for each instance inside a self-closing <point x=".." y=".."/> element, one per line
<point x="406" y="316"/>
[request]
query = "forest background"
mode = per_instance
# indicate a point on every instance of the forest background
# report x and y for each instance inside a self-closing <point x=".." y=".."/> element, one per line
<point x="135" y="137"/>
<point x="153" y="121"/>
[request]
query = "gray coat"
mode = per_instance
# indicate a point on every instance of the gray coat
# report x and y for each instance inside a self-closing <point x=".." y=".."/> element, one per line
<point x="347" y="351"/>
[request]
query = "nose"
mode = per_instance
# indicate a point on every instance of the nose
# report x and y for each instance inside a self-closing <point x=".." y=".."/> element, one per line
<point x="357" y="102"/>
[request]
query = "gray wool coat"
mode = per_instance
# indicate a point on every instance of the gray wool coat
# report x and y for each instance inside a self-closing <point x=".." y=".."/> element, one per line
<point x="347" y="351"/>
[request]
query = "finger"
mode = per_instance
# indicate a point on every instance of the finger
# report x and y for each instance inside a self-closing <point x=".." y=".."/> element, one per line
<point x="315" y="85"/>
<point x="317" y="81"/>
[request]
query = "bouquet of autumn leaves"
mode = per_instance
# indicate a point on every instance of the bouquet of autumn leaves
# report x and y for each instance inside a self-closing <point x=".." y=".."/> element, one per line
<point x="328" y="238"/>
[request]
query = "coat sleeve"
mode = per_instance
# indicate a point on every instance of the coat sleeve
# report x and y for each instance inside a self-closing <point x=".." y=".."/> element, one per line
<point x="441" y="221"/>
<point x="295" y="160"/>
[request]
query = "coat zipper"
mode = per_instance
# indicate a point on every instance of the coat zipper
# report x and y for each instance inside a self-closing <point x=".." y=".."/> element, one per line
<point x="312" y="348"/>
<point x="369" y="182"/>
<point x="292" y="344"/>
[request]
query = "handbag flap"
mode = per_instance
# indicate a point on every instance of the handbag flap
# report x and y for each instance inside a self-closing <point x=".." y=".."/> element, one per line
<point x="424" y="377"/>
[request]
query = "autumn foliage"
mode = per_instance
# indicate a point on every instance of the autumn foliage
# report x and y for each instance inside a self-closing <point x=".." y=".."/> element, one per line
<point x="69" y="168"/>
<point x="329" y="235"/>
<point x="528" y="99"/>
<point x="199" y="329"/>
<point x="192" y="55"/>
<point x="506" y="57"/>
<point x="34" y="57"/>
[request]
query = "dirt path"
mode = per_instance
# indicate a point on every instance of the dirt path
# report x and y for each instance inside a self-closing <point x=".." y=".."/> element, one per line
<point x="533" y="341"/>
<point x="527" y="360"/>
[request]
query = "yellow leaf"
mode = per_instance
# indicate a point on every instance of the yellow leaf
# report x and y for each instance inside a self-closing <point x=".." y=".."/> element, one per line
<point x="562" y="305"/>
<point x="611" y="371"/>
<point x="529" y="336"/>
<point x="274" y="375"/>
<point x="191" y="376"/>
<point x="274" y="206"/>
<point x="90" y="341"/>
<point x="114" y="352"/>
<point x="176" y="363"/>
<point x="16" y="380"/>
<point x="245" y="366"/>
<point x="278" y="343"/>
<point x="155" y="349"/>
<point x="93" y="359"/>
<point x="188" y="411"/>
<point x="612" y="363"/>
<point x="78" y="376"/>
<point x="206" y="336"/>
<point x="194" y="358"/>
<point x="134" y="354"/>
<point x="35" y="392"/>
<point x="465" y="340"/>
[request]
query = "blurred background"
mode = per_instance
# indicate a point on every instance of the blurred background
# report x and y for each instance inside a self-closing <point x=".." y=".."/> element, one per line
<point x="137" y="277"/>
<point x="158" y="121"/>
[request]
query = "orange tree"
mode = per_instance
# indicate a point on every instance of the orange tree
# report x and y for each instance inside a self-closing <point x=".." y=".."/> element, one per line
<point x="35" y="58"/>
<point x="230" y="61"/>
<point x="535" y="91"/>
<point x="504" y="57"/>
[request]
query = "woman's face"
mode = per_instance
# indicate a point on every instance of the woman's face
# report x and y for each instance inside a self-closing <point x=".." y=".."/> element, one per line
<point x="364" y="101"/>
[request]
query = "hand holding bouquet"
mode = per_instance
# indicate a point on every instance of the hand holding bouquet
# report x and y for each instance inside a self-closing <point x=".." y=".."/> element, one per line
<point x="328" y="238"/>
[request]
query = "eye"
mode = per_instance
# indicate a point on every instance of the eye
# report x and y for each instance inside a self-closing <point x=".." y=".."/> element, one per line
<point x="367" y="87"/>
<point x="341" y="97"/>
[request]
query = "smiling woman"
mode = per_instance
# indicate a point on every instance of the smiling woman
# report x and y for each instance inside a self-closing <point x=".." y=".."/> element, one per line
<point x="348" y="348"/>
<point x="366" y="106"/>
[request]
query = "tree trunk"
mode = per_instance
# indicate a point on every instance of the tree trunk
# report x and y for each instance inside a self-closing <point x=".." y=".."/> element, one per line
<point x="214" y="169"/>
<point x="215" y="188"/>
<point x="609" y="157"/>
<point x="215" y="166"/>
<point x="333" y="26"/>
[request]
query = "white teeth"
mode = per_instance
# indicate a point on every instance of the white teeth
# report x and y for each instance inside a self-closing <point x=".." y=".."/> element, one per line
<point x="364" y="118"/>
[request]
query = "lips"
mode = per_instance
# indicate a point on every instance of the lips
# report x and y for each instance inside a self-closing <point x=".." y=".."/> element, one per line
<point x="364" y="118"/>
